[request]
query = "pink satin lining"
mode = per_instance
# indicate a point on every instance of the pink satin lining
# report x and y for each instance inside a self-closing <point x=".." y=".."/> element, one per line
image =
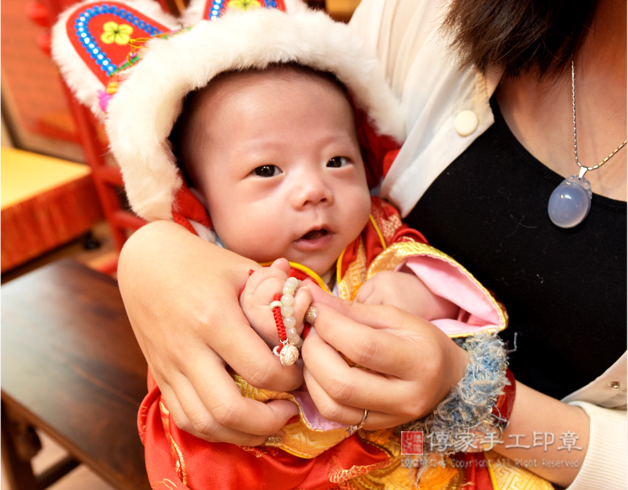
<point x="311" y="413"/>
<point x="477" y="311"/>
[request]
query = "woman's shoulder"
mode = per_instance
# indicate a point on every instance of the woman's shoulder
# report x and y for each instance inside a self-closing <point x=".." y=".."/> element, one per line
<point x="446" y="108"/>
<point x="390" y="28"/>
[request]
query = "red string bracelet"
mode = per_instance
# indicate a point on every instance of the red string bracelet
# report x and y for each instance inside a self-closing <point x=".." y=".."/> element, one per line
<point x="281" y="306"/>
<point x="289" y="340"/>
<point x="281" y="329"/>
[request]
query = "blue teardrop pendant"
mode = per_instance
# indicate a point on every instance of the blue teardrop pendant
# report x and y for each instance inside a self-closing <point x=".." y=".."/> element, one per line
<point x="570" y="202"/>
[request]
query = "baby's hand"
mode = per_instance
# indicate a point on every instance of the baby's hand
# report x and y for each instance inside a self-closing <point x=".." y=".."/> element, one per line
<point x="407" y="292"/>
<point x="258" y="293"/>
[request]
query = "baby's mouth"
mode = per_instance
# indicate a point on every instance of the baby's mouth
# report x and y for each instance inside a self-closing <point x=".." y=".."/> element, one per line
<point x="314" y="234"/>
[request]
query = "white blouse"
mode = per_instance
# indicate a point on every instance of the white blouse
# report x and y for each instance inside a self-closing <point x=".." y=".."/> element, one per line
<point x="446" y="109"/>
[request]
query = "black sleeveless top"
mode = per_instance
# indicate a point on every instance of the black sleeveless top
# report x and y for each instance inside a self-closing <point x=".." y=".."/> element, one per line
<point x="565" y="290"/>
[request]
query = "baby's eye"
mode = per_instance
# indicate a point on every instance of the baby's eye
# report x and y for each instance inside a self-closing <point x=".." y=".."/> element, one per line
<point x="267" y="171"/>
<point x="337" y="162"/>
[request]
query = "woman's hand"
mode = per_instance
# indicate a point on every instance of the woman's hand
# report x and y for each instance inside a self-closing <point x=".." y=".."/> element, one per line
<point x="411" y="367"/>
<point x="410" y="364"/>
<point x="181" y="296"/>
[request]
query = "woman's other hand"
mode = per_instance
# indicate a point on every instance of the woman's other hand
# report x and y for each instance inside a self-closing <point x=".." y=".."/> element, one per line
<point x="410" y="364"/>
<point x="181" y="296"/>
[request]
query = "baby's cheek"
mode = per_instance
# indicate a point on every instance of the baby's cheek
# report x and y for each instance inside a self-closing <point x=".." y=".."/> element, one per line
<point x="255" y="243"/>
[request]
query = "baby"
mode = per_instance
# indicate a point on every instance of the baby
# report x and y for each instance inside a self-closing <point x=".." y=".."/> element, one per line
<point x="275" y="156"/>
<point x="280" y="121"/>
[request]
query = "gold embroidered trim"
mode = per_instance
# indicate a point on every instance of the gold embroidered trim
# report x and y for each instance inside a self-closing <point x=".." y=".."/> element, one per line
<point x="255" y="450"/>
<point x="354" y="276"/>
<point x="338" y="474"/>
<point x="300" y="438"/>
<point x="143" y="415"/>
<point x="175" y="452"/>
<point x="387" y="224"/>
<point x="508" y="476"/>
<point x="179" y="461"/>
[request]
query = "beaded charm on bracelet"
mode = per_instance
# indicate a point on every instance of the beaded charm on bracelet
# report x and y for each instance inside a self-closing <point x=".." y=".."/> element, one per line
<point x="476" y="411"/>
<point x="281" y="306"/>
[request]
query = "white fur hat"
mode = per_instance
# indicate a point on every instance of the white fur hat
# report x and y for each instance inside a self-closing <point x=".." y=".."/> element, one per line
<point x="145" y="99"/>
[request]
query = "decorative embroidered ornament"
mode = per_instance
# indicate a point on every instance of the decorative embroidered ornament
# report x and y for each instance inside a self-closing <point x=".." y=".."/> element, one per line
<point x="100" y="34"/>
<point x="274" y="441"/>
<point x="216" y="8"/>
<point x="570" y="202"/>
<point x="103" y="100"/>
<point x="281" y="306"/>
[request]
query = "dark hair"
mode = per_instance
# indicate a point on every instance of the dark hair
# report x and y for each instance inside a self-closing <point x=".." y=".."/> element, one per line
<point x="179" y="138"/>
<point x="519" y="35"/>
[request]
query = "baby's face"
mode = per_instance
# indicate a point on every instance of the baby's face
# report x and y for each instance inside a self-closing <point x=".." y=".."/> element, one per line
<point x="280" y="167"/>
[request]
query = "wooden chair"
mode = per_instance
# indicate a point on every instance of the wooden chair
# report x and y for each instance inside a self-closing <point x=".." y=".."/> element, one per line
<point x="107" y="178"/>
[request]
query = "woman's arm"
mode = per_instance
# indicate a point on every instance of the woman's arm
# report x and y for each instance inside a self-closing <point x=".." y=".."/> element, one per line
<point x="181" y="296"/>
<point x="568" y="445"/>
<point x="539" y="426"/>
<point x="412" y="365"/>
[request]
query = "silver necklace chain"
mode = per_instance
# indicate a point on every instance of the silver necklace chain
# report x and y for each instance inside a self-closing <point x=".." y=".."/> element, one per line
<point x="584" y="169"/>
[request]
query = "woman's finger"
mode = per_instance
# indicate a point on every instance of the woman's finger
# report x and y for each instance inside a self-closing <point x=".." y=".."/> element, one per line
<point x="217" y="432"/>
<point x="344" y="414"/>
<point x="224" y="405"/>
<point x="380" y="350"/>
<point x="327" y="406"/>
<point x="381" y="317"/>
<point x="302" y="301"/>
<point x="411" y="350"/>
<point x="244" y="350"/>
<point x="354" y="386"/>
<point x="181" y="419"/>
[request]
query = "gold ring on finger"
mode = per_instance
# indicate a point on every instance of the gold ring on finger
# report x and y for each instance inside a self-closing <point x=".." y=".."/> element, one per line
<point x="352" y="429"/>
<point x="311" y="315"/>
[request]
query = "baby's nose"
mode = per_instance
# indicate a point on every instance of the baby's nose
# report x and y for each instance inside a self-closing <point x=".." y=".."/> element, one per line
<point x="313" y="190"/>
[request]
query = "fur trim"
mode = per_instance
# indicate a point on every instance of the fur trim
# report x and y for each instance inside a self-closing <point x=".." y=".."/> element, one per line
<point x="142" y="113"/>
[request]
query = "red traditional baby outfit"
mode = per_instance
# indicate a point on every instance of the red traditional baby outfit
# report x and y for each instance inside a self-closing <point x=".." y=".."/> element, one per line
<point x="317" y="453"/>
